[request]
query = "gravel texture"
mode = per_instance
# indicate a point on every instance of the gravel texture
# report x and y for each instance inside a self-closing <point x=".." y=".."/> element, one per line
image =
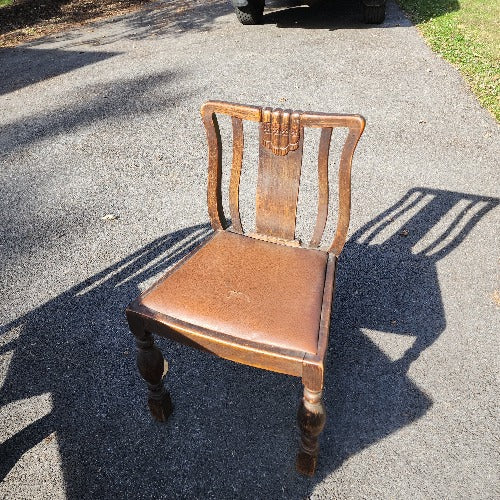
<point x="103" y="172"/>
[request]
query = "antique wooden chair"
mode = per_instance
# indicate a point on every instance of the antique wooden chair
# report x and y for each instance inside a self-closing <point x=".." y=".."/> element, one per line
<point x="262" y="299"/>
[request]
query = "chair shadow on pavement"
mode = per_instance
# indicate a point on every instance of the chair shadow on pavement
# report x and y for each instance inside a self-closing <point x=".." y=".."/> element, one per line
<point x="233" y="430"/>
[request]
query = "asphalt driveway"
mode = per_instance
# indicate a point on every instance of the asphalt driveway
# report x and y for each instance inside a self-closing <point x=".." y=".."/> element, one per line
<point x="103" y="172"/>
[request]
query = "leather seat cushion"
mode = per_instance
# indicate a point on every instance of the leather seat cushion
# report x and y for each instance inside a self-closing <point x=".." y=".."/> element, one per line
<point x="249" y="289"/>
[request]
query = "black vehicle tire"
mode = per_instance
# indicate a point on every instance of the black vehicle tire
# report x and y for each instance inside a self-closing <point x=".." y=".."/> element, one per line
<point x="374" y="14"/>
<point x="252" y="13"/>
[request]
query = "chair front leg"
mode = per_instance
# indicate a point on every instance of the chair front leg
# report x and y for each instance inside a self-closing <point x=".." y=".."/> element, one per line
<point x="153" y="367"/>
<point x="311" y="418"/>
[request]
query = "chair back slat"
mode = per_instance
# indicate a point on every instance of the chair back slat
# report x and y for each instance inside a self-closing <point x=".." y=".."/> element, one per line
<point x="278" y="179"/>
<point x="345" y="190"/>
<point x="234" y="182"/>
<point x="214" y="191"/>
<point x="323" y="191"/>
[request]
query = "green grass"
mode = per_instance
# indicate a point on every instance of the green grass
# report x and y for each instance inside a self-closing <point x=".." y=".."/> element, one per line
<point x="4" y="3"/>
<point x="467" y="34"/>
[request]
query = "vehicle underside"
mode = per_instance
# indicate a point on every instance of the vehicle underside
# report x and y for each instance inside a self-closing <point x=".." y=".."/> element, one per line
<point x="252" y="11"/>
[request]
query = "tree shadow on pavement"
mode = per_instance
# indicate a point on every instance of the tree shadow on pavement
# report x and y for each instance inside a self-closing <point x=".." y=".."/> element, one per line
<point x="233" y="430"/>
<point x="23" y="66"/>
<point x="26" y="13"/>
<point x="136" y="96"/>
<point x="156" y="19"/>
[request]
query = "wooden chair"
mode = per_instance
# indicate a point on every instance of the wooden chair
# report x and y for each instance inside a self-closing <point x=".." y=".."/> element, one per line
<point x="262" y="299"/>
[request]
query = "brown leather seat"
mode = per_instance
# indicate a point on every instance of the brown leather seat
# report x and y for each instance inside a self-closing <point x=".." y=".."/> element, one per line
<point x="247" y="288"/>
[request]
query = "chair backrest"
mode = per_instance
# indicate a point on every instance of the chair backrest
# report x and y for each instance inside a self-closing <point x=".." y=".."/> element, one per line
<point x="281" y="140"/>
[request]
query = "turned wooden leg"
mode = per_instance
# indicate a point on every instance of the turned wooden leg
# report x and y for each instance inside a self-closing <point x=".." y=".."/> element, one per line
<point x="153" y="367"/>
<point x="311" y="417"/>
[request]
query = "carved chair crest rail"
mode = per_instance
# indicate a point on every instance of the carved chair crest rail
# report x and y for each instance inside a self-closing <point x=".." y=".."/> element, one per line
<point x="263" y="298"/>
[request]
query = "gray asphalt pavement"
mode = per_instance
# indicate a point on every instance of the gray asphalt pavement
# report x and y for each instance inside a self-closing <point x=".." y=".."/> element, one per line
<point x="104" y="121"/>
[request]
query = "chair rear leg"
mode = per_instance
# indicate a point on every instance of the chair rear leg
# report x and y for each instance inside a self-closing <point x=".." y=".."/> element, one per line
<point x="153" y="368"/>
<point x="311" y="418"/>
